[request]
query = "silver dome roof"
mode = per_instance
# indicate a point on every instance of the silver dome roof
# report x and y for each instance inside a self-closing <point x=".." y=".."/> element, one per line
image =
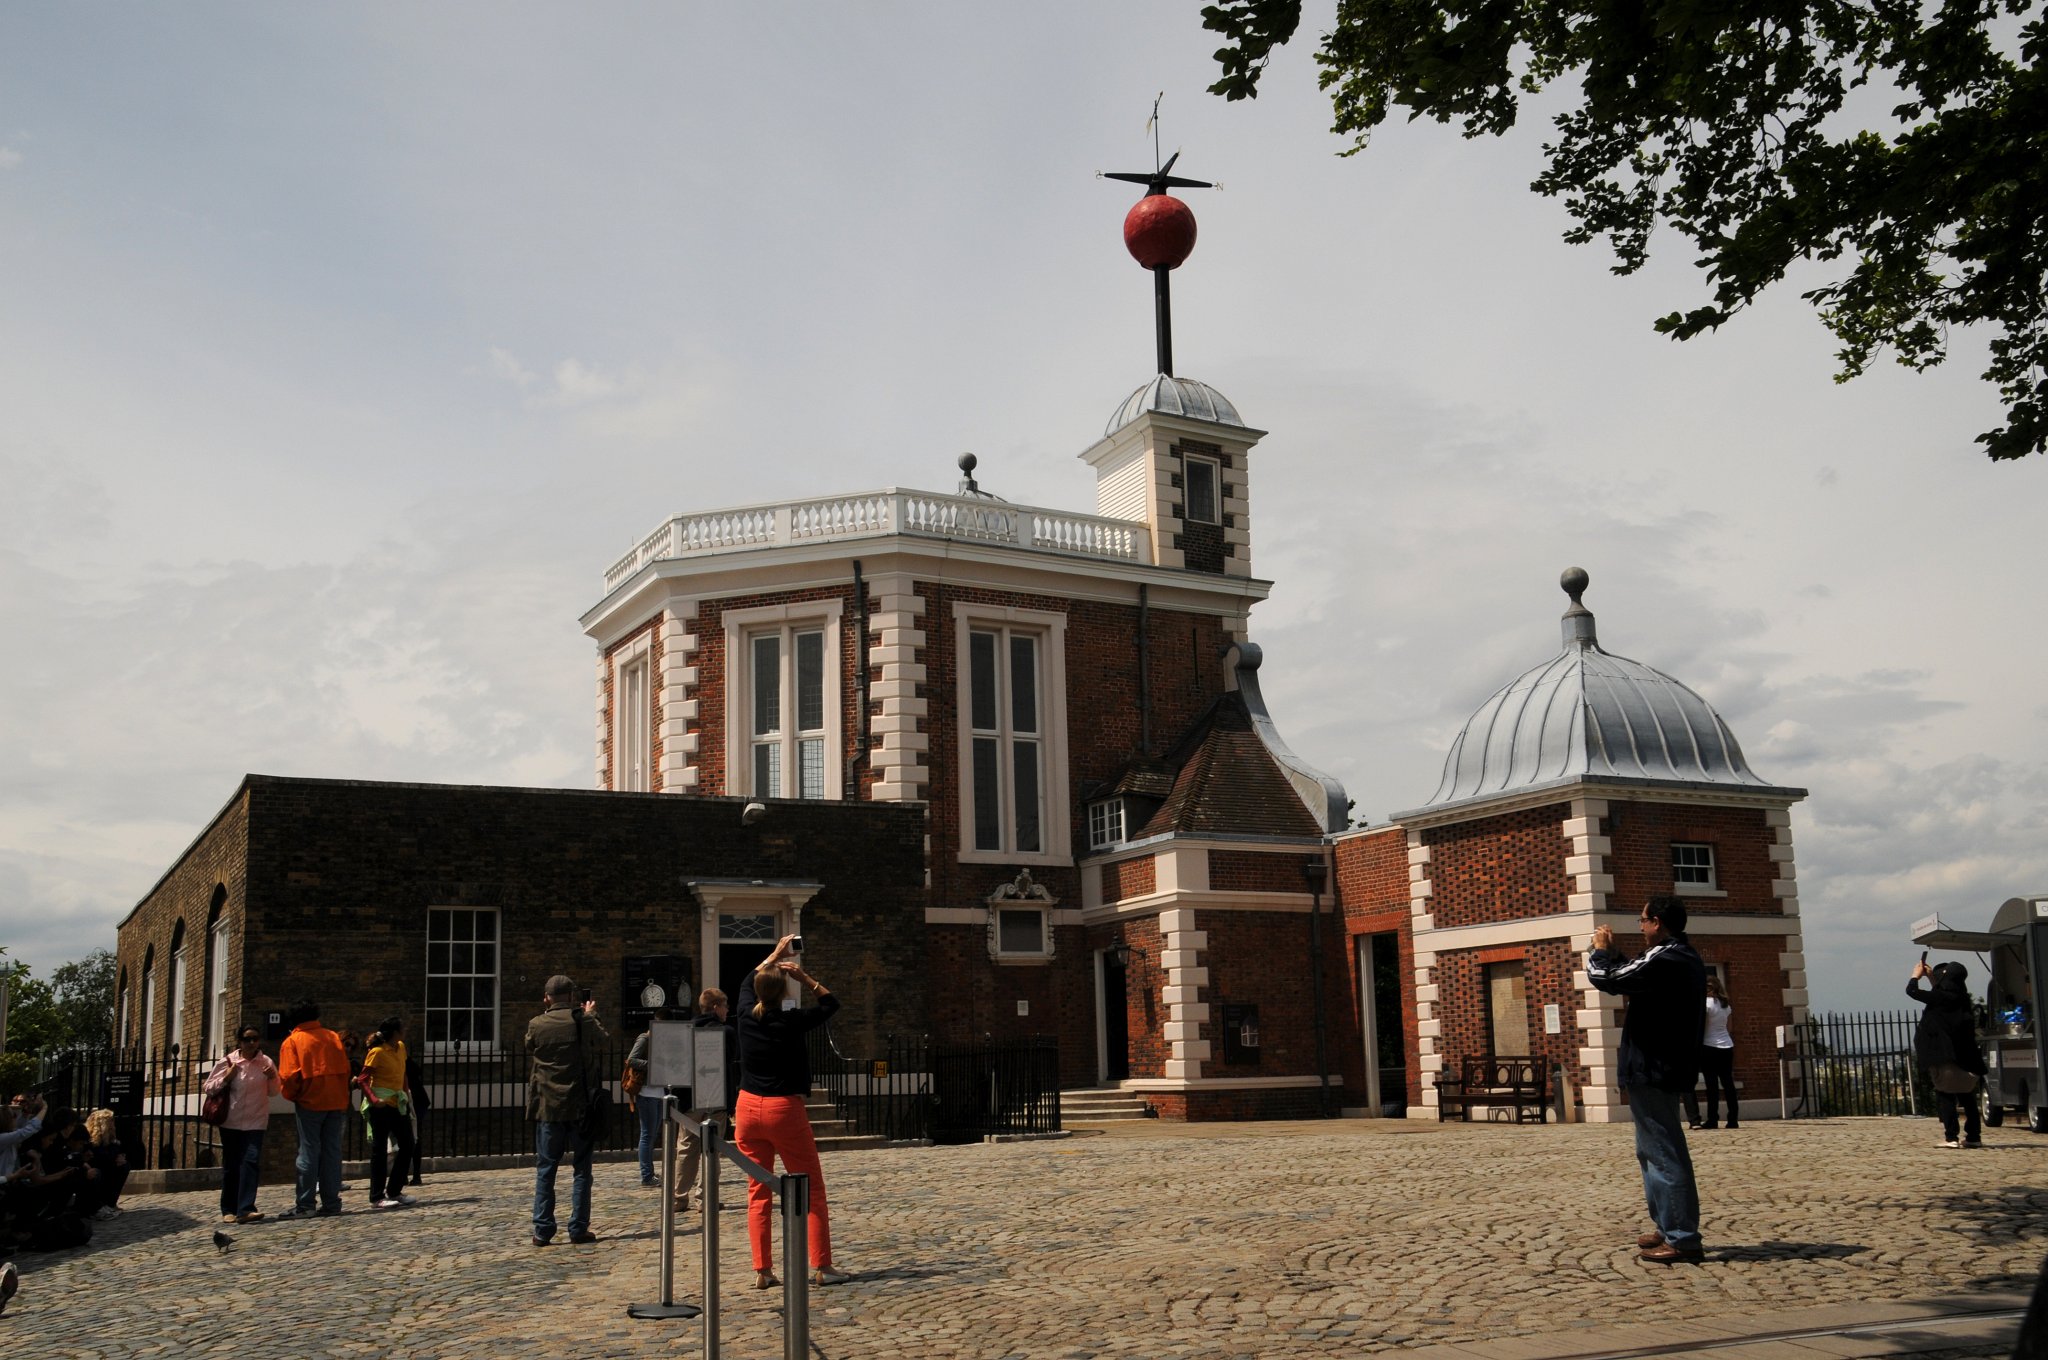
<point x="1175" y="397"/>
<point x="1588" y="713"/>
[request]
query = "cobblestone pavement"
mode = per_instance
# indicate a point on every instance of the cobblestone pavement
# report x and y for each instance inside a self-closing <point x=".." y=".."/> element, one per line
<point x="1248" y="1240"/>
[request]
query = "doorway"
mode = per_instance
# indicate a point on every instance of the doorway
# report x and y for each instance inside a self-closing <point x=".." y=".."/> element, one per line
<point x="744" y="939"/>
<point x="1381" y="1008"/>
<point x="1116" y="1018"/>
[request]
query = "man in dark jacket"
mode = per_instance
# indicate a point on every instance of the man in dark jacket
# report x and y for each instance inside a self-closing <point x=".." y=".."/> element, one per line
<point x="562" y="1044"/>
<point x="1946" y="1045"/>
<point x="1660" y="1055"/>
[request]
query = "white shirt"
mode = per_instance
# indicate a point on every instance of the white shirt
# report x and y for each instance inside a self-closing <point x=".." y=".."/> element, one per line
<point x="10" y="1145"/>
<point x="1717" y="1025"/>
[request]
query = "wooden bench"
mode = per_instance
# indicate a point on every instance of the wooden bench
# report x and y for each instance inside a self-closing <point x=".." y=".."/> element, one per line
<point x="1495" y="1082"/>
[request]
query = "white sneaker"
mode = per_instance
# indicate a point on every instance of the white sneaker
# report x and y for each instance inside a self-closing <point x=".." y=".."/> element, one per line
<point x="385" y="1204"/>
<point x="1950" y="1142"/>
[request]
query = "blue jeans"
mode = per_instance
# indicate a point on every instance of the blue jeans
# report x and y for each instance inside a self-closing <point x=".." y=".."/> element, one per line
<point x="319" y="1163"/>
<point x="1668" y="1186"/>
<point x="552" y="1141"/>
<point x="650" y="1133"/>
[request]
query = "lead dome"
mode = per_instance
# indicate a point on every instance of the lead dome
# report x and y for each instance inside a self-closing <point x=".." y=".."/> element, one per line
<point x="1175" y="397"/>
<point x="1589" y="714"/>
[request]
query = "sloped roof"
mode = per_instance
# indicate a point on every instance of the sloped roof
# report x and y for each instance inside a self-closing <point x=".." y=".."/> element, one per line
<point x="1227" y="783"/>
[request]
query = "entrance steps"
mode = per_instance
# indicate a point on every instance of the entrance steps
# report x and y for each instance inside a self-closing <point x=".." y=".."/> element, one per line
<point x="833" y="1133"/>
<point x="1100" y="1105"/>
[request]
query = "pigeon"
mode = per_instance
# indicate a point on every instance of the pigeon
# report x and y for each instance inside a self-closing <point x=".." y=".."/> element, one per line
<point x="222" y="1240"/>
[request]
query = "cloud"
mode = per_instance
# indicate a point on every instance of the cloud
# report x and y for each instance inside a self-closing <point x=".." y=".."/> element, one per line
<point x="9" y="158"/>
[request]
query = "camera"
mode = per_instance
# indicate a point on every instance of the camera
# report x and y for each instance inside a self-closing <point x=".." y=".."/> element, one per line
<point x="796" y="944"/>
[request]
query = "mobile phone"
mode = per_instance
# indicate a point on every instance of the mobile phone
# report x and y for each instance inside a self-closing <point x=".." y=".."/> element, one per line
<point x="585" y="995"/>
<point x="1923" y="958"/>
<point x="796" y="944"/>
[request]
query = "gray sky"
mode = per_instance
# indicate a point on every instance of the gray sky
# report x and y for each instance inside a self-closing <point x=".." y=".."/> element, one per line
<point x="342" y="348"/>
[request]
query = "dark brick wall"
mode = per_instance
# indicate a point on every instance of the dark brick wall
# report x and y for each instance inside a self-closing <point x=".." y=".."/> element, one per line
<point x="1144" y="987"/>
<point x="1504" y="868"/>
<point x="1203" y="1106"/>
<point x="1202" y="546"/>
<point x="1642" y="834"/>
<point x="1373" y="898"/>
<point x="1257" y="871"/>
<point x="1546" y="978"/>
<point x="972" y="995"/>
<point x="1262" y="959"/>
<point x="339" y="877"/>
<point x="1757" y="1000"/>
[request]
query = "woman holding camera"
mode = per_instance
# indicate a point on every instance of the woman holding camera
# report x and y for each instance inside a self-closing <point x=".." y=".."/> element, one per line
<point x="775" y="1083"/>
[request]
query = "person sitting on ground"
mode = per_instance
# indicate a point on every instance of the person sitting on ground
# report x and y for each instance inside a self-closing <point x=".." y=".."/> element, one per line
<point x="773" y="1117"/>
<point x="18" y="1124"/>
<point x="110" y="1160"/>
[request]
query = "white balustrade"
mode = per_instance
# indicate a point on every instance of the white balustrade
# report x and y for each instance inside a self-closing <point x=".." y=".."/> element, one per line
<point x="868" y="514"/>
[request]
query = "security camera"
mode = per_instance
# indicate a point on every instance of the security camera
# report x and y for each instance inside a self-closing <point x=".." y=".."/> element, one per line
<point x="753" y="812"/>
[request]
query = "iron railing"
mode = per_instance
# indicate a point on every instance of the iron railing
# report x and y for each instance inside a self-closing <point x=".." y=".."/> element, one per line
<point x="478" y="1103"/>
<point x="1856" y="1064"/>
<point x="915" y="1089"/>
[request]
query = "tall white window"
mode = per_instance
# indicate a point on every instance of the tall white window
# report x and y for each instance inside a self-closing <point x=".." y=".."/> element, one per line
<point x="632" y="725"/>
<point x="217" y="985"/>
<point x="782" y="683"/>
<point x="1014" y="805"/>
<point x="1005" y="706"/>
<point x="786" y="738"/>
<point x="148" y="1001"/>
<point x="462" y="977"/>
<point x="174" y="1017"/>
<point x="121" y="1015"/>
<point x="1202" y="481"/>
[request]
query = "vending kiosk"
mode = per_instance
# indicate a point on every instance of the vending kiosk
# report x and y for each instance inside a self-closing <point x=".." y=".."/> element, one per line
<point x="2014" y="956"/>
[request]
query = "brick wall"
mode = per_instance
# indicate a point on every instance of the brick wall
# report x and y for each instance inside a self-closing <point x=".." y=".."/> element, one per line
<point x="972" y="996"/>
<point x="657" y="647"/>
<point x="1508" y="867"/>
<point x="1129" y="878"/>
<point x="1144" y="984"/>
<point x="1547" y="974"/>
<point x="1757" y="1006"/>
<point x="1642" y="834"/>
<point x="710" y="723"/>
<point x="216" y="864"/>
<point x="1257" y="871"/>
<point x="1262" y="959"/>
<point x="1373" y="898"/>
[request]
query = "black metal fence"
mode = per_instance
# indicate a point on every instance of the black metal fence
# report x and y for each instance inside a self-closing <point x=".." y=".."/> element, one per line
<point x="907" y="1090"/>
<point x="475" y="1103"/>
<point x="1856" y="1064"/>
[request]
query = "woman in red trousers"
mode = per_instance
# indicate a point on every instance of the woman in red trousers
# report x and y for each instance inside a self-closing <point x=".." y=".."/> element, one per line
<point x="775" y="1084"/>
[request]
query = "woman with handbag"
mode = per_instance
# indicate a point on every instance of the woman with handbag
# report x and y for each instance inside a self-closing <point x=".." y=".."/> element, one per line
<point x="246" y="1079"/>
<point x="387" y="1110"/>
<point x="773" y="1116"/>
<point x="1946" y="1045"/>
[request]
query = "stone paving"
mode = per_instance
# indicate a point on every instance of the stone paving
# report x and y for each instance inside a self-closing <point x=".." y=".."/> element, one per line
<point x="1247" y="1240"/>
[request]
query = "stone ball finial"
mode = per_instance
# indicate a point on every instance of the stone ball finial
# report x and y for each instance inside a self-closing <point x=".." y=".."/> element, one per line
<point x="1574" y="582"/>
<point x="968" y="462"/>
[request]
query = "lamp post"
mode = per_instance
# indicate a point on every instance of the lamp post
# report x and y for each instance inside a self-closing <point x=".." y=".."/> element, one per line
<point x="1317" y="873"/>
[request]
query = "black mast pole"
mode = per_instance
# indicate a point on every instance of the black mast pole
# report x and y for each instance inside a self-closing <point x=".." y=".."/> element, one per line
<point x="1162" y="310"/>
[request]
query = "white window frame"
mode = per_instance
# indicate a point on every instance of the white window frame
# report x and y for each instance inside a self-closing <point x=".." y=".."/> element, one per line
<point x="1711" y="887"/>
<point x="1108" y="823"/>
<point x="121" y="1015"/>
<point x="148" y="1035"/>
<point x="1041" y="951"/>
<point x="1056" y="830"/>
<point x="742" y="626"/>
<point x="1188" y="463"/>
<point x="633" y="716"/>
<point x="217" y="983"/>
<point x="174" y="1014"/>
<point x="473" y="1044"/>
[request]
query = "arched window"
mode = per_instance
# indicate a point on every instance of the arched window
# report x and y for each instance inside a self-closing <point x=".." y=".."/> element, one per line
<point x="215" y="1036"/>
<point x="121" y="1011"/>
<point x="174" y="1013"/>
<point x="148" y="1000"/>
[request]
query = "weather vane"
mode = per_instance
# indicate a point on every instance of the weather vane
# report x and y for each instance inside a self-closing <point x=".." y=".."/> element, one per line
<point x="1159" y="231"/>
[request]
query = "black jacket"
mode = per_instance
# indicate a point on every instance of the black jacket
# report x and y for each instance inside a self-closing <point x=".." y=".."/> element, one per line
<point x="1948" y="1027"/>
<point x="775" y="1057"/>
<point x="1667" y="1012"/>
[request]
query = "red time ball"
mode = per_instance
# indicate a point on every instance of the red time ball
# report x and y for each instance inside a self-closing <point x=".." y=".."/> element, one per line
<point x="1159" y="231"/>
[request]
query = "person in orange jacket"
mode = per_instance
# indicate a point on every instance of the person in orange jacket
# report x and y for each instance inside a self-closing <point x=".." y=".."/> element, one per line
<point x="313" y="1073"/>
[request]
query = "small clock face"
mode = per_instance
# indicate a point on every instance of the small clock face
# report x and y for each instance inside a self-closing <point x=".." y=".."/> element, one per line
<point x="653" y="997"/>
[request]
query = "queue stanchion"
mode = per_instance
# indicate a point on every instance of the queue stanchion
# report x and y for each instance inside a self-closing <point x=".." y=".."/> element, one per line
<point x="796" y="1279"/>
<point x="713" y="1153"/>
<point x="668" y="1307"/>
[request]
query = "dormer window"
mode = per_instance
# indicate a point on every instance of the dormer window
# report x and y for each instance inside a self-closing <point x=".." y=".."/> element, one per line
<point x="1106" y="824"/>
<point x="1200" y="479"/>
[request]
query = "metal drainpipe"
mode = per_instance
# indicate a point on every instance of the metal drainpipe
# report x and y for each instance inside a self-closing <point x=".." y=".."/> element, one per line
<point x="1144" y="670"/>
<point x="860" y="676"/>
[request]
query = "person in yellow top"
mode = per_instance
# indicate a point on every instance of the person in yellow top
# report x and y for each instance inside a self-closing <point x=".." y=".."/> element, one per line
<point x="387" y="1107"/>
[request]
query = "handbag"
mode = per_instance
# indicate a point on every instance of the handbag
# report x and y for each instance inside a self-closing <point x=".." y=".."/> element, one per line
<point x="631" y="1081"/>
<point x="213" y="1108"/>
<point x="1952" y="1079"/>
<point x="597" y="1099"/>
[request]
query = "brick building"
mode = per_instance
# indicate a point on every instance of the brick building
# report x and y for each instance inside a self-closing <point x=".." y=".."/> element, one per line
<point x="1576" y="791"/>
